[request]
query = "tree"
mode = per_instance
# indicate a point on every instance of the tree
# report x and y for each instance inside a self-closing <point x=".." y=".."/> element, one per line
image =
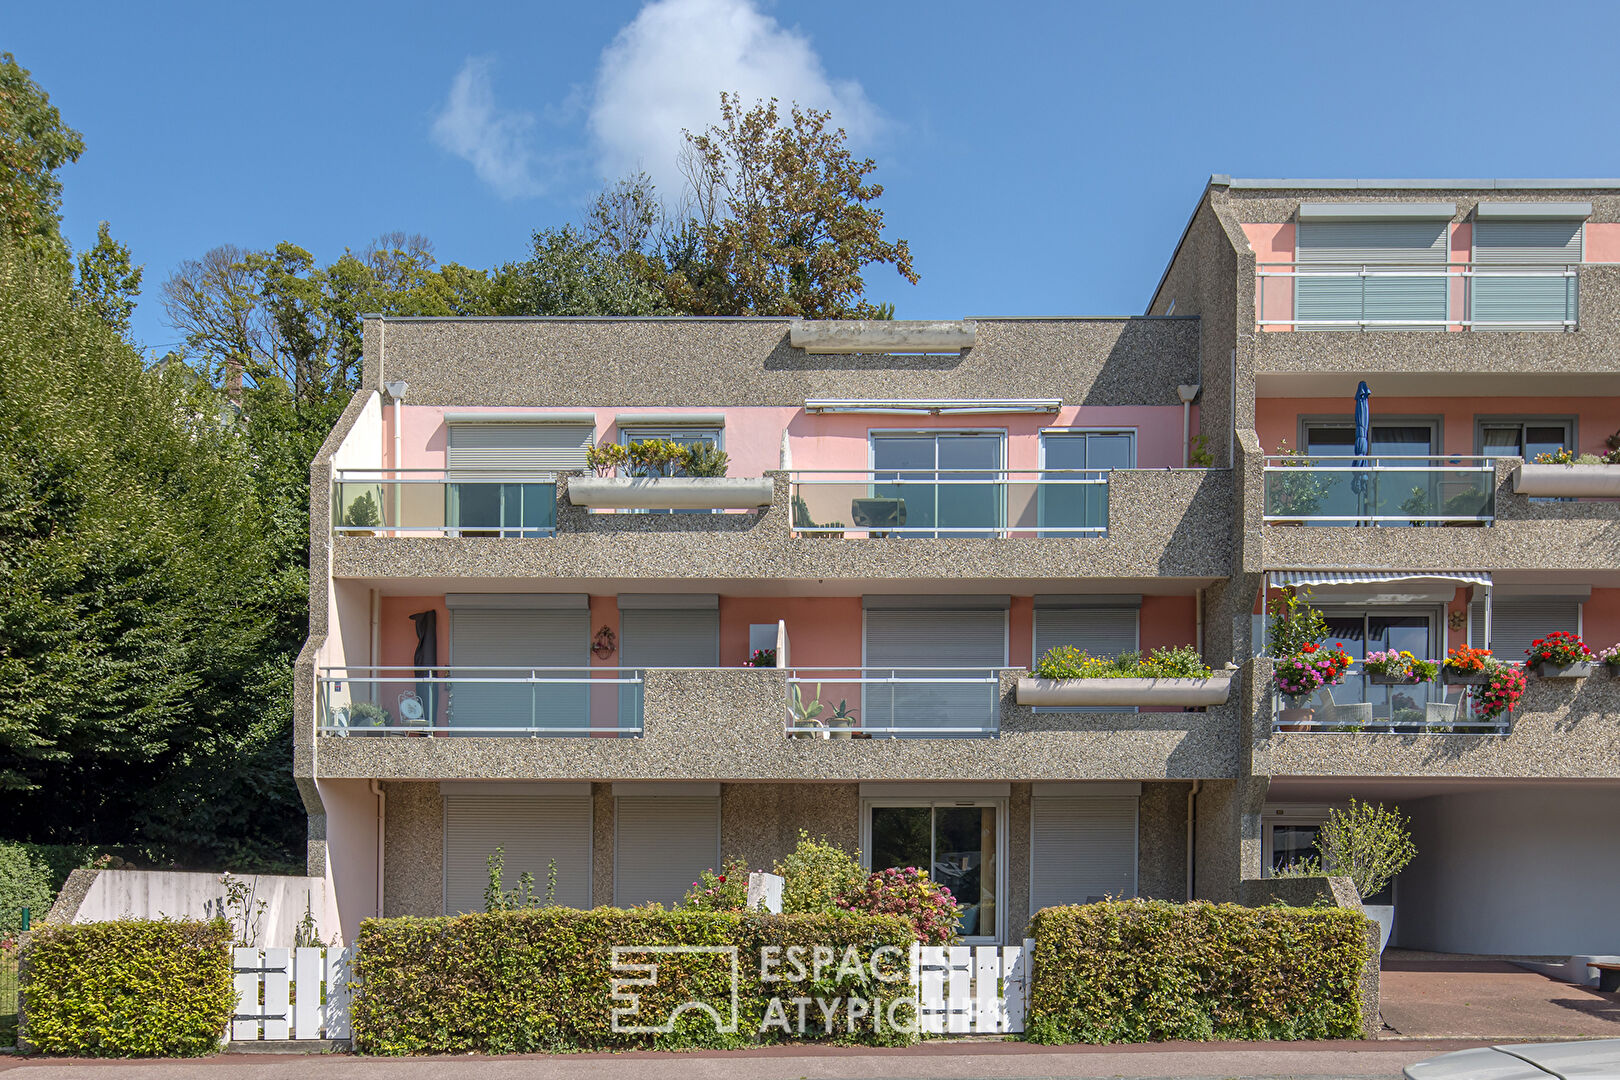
<point x="108" y="281"/>
<point x="783" y="220"/>
<point x="567" y="274"/>
<point x="624" y="217"/>
<point x="34" y="143"/>
<point x="1366" y="843"/>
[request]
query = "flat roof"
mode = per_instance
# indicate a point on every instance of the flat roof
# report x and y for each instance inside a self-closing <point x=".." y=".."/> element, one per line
<point x="1412" y="184"/>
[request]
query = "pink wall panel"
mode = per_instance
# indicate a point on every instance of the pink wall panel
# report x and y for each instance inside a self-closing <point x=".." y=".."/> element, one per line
<point x="1600" y="619"/>
<point x="1276" y="419"/>
<point x="1602" y="242"/>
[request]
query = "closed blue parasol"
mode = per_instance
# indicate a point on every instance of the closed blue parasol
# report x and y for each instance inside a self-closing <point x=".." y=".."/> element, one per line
<point x="1363" y="436"/>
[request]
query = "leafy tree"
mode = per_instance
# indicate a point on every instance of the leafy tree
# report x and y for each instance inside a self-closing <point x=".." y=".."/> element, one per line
<point x="782" y="220"/>
<point x="108" y="281"/>
<point x="567" y="273"/>
<point x="34" y="143"/>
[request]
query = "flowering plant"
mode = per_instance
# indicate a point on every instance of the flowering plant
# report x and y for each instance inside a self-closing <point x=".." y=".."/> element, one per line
<point x="1504" y="685"/>
<point x="1400" y="665"/>
<point x="1310" y="669"/>
<point x="725" y="891"/>
<point x="909" y="893"/>
<point x="1466" y="661"/>
<point x="761" y="658"/>
<point x="1558" y="649"/>
<point x="1611" y="656"/>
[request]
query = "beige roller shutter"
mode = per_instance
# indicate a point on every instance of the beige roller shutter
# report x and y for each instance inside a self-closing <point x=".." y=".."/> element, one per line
<point x="1099" y="630"/>
<point x="1081" y="849"/>
<point x="488" y="644"/>
<point x="661" y="844"/>
<point x="518" y="446"/>
<point x="1515" y="623"/>
<point x="531" y="830"/>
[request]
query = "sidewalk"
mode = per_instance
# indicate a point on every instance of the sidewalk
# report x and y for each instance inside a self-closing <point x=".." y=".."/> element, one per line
<point x="965" y="1060"/>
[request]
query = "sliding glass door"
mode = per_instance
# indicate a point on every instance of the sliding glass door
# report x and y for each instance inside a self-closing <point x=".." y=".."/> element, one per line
<point x="1371" y="630"/>
<point x="935" y="484"/>
<point x="1421" y="492"/>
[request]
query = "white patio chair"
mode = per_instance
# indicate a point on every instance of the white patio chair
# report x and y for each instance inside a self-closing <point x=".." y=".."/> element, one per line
<point x="1334" y="715"/>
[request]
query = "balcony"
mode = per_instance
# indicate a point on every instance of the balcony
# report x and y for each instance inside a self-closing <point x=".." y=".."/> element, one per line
<point x="435" y="502"/>
<point x="594" y="702"/>
<point x="956" y="503"/>
<point x="1396" y="491"/>
<point x="1362" y="704"/>
<point x="735" y="723"/>
<point x="1453" y="296"/>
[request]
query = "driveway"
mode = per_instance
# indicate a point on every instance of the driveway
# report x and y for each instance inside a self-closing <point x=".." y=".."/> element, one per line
<point x="1430" y="996"/>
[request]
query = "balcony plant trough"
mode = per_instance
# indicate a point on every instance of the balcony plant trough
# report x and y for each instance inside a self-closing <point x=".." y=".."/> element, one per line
<point x="670" y="492"/>
<point x="1567" y="481"/>
<point x="1560" y="655"/>
<point x="1120" y="693"/>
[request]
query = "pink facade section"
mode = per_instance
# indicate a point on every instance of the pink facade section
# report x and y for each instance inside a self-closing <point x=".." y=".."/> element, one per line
<point x="1277" y="419"/>
<point x="838" y="441"/>
<point x="1602" y="242"/>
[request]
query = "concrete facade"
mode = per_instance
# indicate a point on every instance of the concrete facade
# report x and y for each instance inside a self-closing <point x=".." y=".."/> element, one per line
<point x="1195" y="536"/>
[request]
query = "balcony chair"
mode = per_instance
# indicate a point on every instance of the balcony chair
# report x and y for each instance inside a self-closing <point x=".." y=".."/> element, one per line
<point x="878" y="516"/>
<point x="1334" y="715"/>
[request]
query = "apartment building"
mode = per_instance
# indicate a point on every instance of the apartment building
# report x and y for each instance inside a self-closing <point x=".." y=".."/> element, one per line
<point x="630" y="677"/>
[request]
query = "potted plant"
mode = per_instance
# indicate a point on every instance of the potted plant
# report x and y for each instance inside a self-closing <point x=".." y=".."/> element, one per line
<point x="1465" y="666"/>
<point x="364" y="514"/>
<point x="802" y="520"/>
<point x="841" y="721"/>
<point x="1560" y="655"/>
<point x="1391" y="668"/>
<point x="659" y="474"/>
<point x="805" y="715"/>
<point x="1504" y="685"/>
<point x="1610" y="659"/>
<point x="765" y="658"/>
<point x="1297" y="494"/>
<point x="1367" y="844"/>
<point x="367" y="714"/>
<point x="1301" y="675"/>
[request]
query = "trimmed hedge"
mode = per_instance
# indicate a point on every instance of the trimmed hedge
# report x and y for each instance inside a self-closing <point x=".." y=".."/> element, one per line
<point x="130" y="988"/>
<point x="1150" y="970"/>
<point x="541" y="980"/>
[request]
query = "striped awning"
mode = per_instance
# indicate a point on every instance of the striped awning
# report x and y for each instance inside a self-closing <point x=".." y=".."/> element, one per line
<point x="1373" y="577"/>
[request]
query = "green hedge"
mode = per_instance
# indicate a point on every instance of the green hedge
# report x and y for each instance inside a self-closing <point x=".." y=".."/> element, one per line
<point x="1142" y="971"/>
<point x="130" y="988"/>
<point x="541" y="980"/>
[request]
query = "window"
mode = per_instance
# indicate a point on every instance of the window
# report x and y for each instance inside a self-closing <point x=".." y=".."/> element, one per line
<point x="1290" y="835"/>
<point x="492" y="648"/>
<point x="1379" y="630"/>
<point x="504" y="507"/>
<point x="1522" y="273"/>
<point x="663" y="841"/>
<point x="941" y="483"/>
<point x="681" y="436"/>
<point x="1517" y="621"/>
<point x="1069" y="508"/>
<point x="1397" y="442"/>
<point x="1524" y="438"/>
<point x="958" y="842"/>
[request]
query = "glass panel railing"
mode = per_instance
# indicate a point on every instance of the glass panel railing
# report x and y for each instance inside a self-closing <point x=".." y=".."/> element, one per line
<point x="433" y="502"/>
<point x="1399" y="491"/>
<point x="1362" y="704"/>
<point x="954" y="503"/>
<point x="488" y="702"/>
<point x="894" y="703"/>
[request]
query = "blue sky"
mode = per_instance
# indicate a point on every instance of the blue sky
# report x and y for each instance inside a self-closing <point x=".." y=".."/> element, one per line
<point x="1039" y="158"/>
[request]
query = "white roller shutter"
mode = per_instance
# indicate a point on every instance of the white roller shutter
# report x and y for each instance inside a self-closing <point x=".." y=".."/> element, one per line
<point x="530" y="831"/>
<point x="1100" y="631"/>
<point x="519" y="446"/>
<point x="1515" y="623"/>
<point x="1542" y="300"/>
<point x="483" y="641"/>
<point x="968" y="642"/>
<point x="1339" y="302"/>
<point x="1082" y="849"/>
<point x="662" y="843"/>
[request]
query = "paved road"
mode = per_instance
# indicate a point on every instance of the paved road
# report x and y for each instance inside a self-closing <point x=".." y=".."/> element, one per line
<point x="936" y="1061"/>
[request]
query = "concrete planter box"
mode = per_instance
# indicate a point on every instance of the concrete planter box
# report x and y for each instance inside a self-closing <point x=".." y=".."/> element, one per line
<point x="1565" y="671"/>
<point x="670" y="492"/>
<point x="1059" y="693"/>
<point x="1568" y="481"/>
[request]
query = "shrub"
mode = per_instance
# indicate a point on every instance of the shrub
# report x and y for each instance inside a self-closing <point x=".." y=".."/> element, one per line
<point x="703" y="459"/>
<point x="725" y="891"/>
<point x="1068" y="662"/>
<point x="1148" y="970"/>
<point x="543" y="979"/>
<point x="25" y="882"/>
<point x="908" y="893"/>
<point x="130" y="988"/>
<point x="816" y="874"/>
<point x="1367" y="844"/>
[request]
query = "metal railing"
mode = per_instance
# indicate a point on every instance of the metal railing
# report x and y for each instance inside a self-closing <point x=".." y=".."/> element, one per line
<point x="949" y="502"/>
<point x="590" y="702"/>
<point x="1357" y="705"/>
<point x="519" y="503"/>
<point x="894" y="702"/>
<point x="1321" y="296"/>
<point x="1379" y="489"/>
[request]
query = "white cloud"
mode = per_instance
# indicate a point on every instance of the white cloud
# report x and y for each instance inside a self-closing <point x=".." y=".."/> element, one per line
<point x="665" y="72"/>
<point x="498" y="143"/>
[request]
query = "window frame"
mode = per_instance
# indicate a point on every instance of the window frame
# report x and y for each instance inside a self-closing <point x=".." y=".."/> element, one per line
<point x="1436" y="422"/>
<point x="1003" y="878"/>
<point x="1523" y="420"/>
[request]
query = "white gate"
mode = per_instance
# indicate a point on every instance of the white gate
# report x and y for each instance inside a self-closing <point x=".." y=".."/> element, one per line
<point x="971" y="989"/>
<point x="291" y="994"/>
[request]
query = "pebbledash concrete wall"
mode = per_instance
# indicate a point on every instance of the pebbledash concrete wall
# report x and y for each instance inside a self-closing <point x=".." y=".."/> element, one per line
<point x="761" y="823"/>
